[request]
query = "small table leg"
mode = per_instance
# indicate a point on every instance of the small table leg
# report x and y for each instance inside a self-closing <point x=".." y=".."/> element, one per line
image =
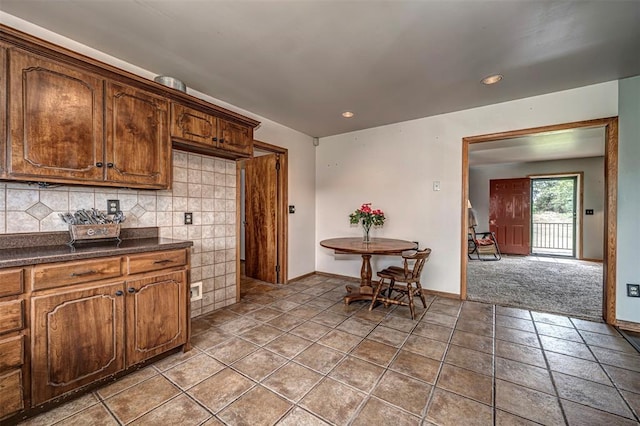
<point x="365" y="291"/>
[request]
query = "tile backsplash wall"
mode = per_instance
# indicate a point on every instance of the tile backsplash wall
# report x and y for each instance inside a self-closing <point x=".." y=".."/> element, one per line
<point x="202" y="185"/>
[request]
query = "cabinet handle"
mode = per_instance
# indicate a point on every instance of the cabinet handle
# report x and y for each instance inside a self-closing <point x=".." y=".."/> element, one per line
<point x="82" y="274"/>
<point x="110" y="165"/>
<point x="162" y="262"/>
<point x="215" y="139"/>
<point x="99" y="164"/>
<point x="119" y="293"/>
<point x="131" y="290"/>
<point x="221" y="140"/>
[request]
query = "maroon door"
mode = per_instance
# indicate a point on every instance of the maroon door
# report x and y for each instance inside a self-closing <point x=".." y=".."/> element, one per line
<point x="510" y="214"/>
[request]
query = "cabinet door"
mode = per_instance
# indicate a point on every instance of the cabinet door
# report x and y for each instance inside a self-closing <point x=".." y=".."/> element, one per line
<point x="138" y="144"/>
<point x="193" y="125"/>
<point x="235" y="137"/>
<point x="156" y="315"/>
<point x="77" y="337"/>
<point x="55" y="116"/>
<point x="3" y="111"/>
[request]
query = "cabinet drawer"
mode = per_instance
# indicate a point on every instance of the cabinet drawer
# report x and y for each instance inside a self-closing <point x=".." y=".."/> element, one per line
<point x="11" y="316"/>
<point x="10" y="282"/>
<point x="10" y="393"/>
<point x="11" y="352"/>
<point x="61" y="274"/>
<point x="155" y="261"/>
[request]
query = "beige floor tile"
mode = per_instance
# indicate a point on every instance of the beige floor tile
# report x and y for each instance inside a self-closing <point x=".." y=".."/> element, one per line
<point x="594" y="395"/>
<point x="375" y="352"/>
<point x="388" y="336"/>
<point x="398" y="323"/>
<point x="181" y="410"/>
<point x="340" y="340"/>
<point x="596" y="327"/>
<point x="333" y="401"/>
<point x="357" y="326"/>
<point x="264" y="314"/>
<point x="232" y="350"/>
<point x="288" y="345"/>
<point x="193" y="371"/>
<point x="439" y="319"/>
<point x="541" y="317"/>
<point x="524" y="374"/>
<point x="305" y="311"/>
<point x="616" y="343"/>
<point x="416" y="366"/>
<point x="403" y="391"/>
<point x="559" y="332"/>
<point x="66" y="410"/>
<point x="513" y="312"/>
<point x="566" y="347"/>
<point x="141" y="398"/>
<point x="210" y="338"/>
<point x="259" y="364"/>
<point x="471" y="360"/>
<point x="239" y="326"/>
<point x="300" y="417"/>
<point x="481" y="328"/>
<point x="221" y="389"/>
<point x="310" y="330"/>
<point x="634" y="401"/>
<point x="533" y="405"/>
<point x="433" y="331"/>
<point x="581" y="415"/>
<point x="521" y="353"/>
<point x="126" y="382"/>
<point x="175" y="359"/>
<point x="447" y="408"/>
<point x="425" y="347"/>
<point x="466" y="383"/>
<point x="293" y="381"/>
<point x="358" y="373"/>
<point x="516" y="323"/>
<point x="261" y="334"/>
<point x="96" y="415"/>
<point x="517" y="336"/>
<point x="221" y="316"/>
<point x="285" y="322"/>
<point x="472" y="341"/>
<point x="578" y="367"/>
<point x="319" y="358"/>
<point x="440" y="308"/>
<point x="617" y="359"/>
<point x="377" y="412"/>
<point x="213" y="421"/>
<point x="259" y="406"/>
<point x="507" y="419"/>
<point x="329" y="319"/>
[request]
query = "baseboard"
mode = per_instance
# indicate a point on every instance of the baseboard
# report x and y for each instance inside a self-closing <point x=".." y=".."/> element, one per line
<point x="586" y="259"/>
<point x="628" y="325"/>
<point x="342" y="277"/>
<point x="441" y="294"/>
<point x="301" y="277"/>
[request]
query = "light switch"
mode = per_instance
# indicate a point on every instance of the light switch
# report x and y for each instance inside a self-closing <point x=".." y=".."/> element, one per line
<point x="436" y="185"/>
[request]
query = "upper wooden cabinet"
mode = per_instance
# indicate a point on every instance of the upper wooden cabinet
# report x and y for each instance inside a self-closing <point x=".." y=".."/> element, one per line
<point x="194" y="130"/>
<point x="138" y="145"/>
<point x="55" y="116"/>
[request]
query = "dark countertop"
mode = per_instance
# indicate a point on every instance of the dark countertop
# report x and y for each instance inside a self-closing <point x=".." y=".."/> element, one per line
<point x="31" y="249"/>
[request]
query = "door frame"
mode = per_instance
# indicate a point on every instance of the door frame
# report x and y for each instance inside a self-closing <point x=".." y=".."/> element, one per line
<point x="282" y="233"/>
<point x="578" y="205"/>
<point x="610" y="125"/>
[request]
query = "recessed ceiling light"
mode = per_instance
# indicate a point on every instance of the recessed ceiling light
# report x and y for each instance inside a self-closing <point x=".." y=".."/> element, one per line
<point x="347" y="114"/>
<point x="492" y="79"/>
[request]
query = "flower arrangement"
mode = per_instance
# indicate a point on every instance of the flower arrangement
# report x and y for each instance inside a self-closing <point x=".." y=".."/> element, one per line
<point x="367" y="216"/>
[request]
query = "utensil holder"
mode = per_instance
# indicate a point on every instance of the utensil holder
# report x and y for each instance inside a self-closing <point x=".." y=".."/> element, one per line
<point x="104" y="231"/>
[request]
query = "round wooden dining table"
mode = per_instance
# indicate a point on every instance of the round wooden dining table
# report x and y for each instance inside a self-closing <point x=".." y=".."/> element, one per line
<point x="379" y="246"/>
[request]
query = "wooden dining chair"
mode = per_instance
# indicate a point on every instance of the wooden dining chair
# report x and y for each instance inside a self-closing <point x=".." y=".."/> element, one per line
<point x="409" y="275"/>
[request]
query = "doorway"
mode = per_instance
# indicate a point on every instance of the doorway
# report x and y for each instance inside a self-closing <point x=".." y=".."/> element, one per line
<point x="263" y="219"/>
<point x="610" y="126"/>
<point x="554" y="216"/>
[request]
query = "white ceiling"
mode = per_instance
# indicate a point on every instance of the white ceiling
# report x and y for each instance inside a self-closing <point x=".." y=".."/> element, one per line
<point x="302" y="63"/>
<point x="558" y="145"/>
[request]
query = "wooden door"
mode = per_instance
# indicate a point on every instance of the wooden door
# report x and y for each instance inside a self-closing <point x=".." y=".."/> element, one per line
<point x="55" y="116"/>
<point x="235" y="137"/>
<point x="193" y="125"/>
<point x="510" y="214"/>
<point x="138" y="147"/>
<point x="261" y="202"/>
<point x="77" y="337"/>
<point x="156" y="315"/>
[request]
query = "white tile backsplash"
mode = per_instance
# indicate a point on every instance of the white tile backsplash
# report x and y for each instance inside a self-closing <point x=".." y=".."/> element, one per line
<point x="202" y="185"/>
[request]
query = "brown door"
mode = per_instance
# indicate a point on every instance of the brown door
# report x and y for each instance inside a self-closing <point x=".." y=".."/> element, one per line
<point x="156" y="317"/>
<point x="137" y="145"/>
<point x="510" y="214"/>
<point x="261" y="202"/>
<point x="55" y="117"/>
<point x="78" y="337"/>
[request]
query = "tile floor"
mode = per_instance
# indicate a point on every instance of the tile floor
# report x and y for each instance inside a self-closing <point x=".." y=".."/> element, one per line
<point x="296" y="355"/>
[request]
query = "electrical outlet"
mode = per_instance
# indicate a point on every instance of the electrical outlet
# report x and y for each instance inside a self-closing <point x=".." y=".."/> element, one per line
<point x="588" y="212"/>
<point x="195" y="292"/>
<point x="113" y="206"/>
<point x="292" y="209"/>
<point x="188" y="218"/>
<point x="633" y="290"/>
<point x="436" y="185"/>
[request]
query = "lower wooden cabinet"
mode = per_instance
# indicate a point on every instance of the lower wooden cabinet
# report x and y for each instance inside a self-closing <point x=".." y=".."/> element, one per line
<point x="78" y="337"/>
<point x="11" y="392"/>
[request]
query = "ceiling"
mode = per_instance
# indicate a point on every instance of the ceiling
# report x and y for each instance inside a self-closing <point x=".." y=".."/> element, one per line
<point x="558" y="145"/>
<point x="302" y="63"/>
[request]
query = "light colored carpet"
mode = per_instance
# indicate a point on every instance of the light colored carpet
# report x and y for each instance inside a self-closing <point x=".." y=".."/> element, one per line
<point x="562" y="286"/>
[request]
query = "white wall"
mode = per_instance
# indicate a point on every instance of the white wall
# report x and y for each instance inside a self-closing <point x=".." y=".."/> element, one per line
<point x="300" y="146"/>
<point x="394" y="166"/>
<point x="593" y="168"/>
<point x="628" y="309"/>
